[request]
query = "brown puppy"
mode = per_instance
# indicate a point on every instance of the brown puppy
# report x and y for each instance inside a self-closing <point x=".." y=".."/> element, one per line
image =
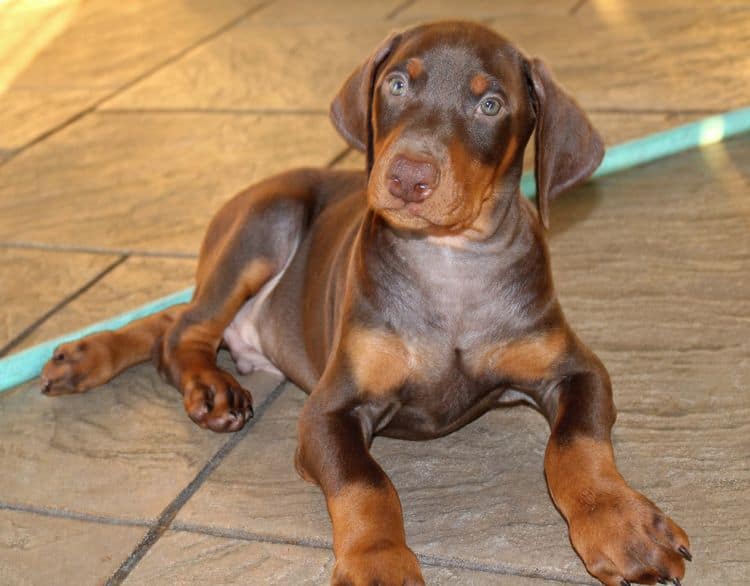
<point x="407" y="301"/>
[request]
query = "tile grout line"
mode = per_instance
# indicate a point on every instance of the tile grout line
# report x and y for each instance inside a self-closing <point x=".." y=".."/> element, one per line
<point x="168" y="515"/>
<point x="137" y="79"/>
<point x="219" y="111"/>
<point x="399" y="9"/>
<point x="576" y="7"/>
<point x="31" y="328"/>
<point x="20" y="245"/>
<point x="497" y="569"/>
<point x="186" y="51"/>
<point x="618" y="110"/>
<point x="323" y="544"/>
<point x="73" y="515"/>
<point x="338" y="158"/>
<point x="242" y="535"/>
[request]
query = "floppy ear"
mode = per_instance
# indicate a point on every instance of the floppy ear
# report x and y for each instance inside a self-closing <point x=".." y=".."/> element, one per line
<point x="351" y="108"/>
<point x="568" y="148"/>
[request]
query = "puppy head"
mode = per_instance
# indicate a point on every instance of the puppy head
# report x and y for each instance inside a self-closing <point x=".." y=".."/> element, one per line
<point x="444" y="112"/>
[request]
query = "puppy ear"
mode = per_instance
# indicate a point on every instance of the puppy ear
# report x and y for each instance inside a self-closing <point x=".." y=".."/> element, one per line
<point x="568" y="148"/>
<point x="352" y="106"/>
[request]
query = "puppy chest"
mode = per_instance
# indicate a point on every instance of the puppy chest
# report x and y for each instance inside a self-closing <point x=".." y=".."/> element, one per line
<point x="383" y="362"/>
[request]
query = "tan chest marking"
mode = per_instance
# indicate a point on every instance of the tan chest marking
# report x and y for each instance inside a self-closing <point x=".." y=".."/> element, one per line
<point x="380" y="360"/>
<point x="527" y="359"/>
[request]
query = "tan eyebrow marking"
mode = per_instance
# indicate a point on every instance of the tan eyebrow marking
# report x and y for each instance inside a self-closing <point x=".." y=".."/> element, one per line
<point x="414" y="67"/>
<point x="479" y="84"/>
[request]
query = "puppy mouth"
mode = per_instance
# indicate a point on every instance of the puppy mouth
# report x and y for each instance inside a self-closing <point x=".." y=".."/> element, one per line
<point x="413" y="215"/>
<point x="412" y="208"/>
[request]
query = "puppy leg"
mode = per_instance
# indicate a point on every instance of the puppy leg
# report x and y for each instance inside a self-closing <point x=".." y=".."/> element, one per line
<point x="83" y="364"/>
<point x="333" y="451"/>
<point x="247" y="244"/>
<point x="621" y="536"/>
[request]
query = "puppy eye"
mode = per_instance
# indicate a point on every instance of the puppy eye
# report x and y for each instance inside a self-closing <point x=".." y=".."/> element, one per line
<point x="490" y="106"/>
<point x="397" y="86"/>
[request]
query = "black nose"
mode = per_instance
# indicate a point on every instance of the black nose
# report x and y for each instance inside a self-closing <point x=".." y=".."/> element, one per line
<point x="410" y="180"/>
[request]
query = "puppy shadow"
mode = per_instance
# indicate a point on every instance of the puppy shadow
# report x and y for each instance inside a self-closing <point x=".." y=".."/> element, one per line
<point x="574" y="207"/>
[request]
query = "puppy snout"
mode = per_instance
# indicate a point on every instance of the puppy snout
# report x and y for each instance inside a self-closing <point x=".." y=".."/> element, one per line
<point x="411" y="180"/>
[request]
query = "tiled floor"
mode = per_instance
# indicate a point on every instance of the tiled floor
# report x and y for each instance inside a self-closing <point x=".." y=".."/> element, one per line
<point x="124" y="125"/>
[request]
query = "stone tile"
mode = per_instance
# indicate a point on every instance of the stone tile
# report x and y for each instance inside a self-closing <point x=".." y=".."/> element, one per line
<point x="33" y="281"/>
<point x="485" y="10"/>
<point x="59" y="57"/>
<point x="262" y="67"/>
<point x="133" y="283"/>
<point x="37" y="549"/>
<point x="149" y="182"/>
<point x="463" y="577"/>
<point x="667" y="316"/>
<point x="124" y="450"/>
<point x="647" y="245"/>
<point x="28" y="113"/>
<point x="353" y="160"/>
<point x="191" y="558"/>
<point x="295" y="12"/>
<point x="463" y="496"/>
<point x="673" y="60"/>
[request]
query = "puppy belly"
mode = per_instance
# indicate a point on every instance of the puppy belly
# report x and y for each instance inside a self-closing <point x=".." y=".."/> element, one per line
<point x="243" y="337"/>
<point x="244" y="341"/>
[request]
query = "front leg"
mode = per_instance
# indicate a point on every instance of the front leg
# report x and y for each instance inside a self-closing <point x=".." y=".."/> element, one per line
<point x="369" y="541"/>
<point x="621" y="536"/>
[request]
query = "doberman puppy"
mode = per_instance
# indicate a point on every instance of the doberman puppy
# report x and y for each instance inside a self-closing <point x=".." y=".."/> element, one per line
<point x="407" y="301"/>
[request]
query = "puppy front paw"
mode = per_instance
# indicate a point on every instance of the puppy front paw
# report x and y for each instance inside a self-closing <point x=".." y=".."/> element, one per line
<point x="385" y="565"/>
<point x="78" y="366"/>
<point x="215" y="400"/>
<point x="624" y="538"/>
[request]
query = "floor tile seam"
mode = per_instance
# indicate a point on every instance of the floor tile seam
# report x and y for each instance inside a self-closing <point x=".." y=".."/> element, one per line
<point x="276" y="112"/>
<point x="67" y="248"/>
<point x="399" y="9"/>
<point x="168" y="515"/>
<point x="573" y="10"/>
<point x="64" y="302"/>
<point x="652" y="111"/>
<point x="96" y="103"/>
<point x="71" y="515"/>
<point x="340" y="156"/>
<point x="425" y="559"/>
<point x="185" y="51"/>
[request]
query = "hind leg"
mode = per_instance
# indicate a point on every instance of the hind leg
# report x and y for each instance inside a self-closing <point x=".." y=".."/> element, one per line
<point x="80" y="365"/>
<point x="248" y="242"/>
